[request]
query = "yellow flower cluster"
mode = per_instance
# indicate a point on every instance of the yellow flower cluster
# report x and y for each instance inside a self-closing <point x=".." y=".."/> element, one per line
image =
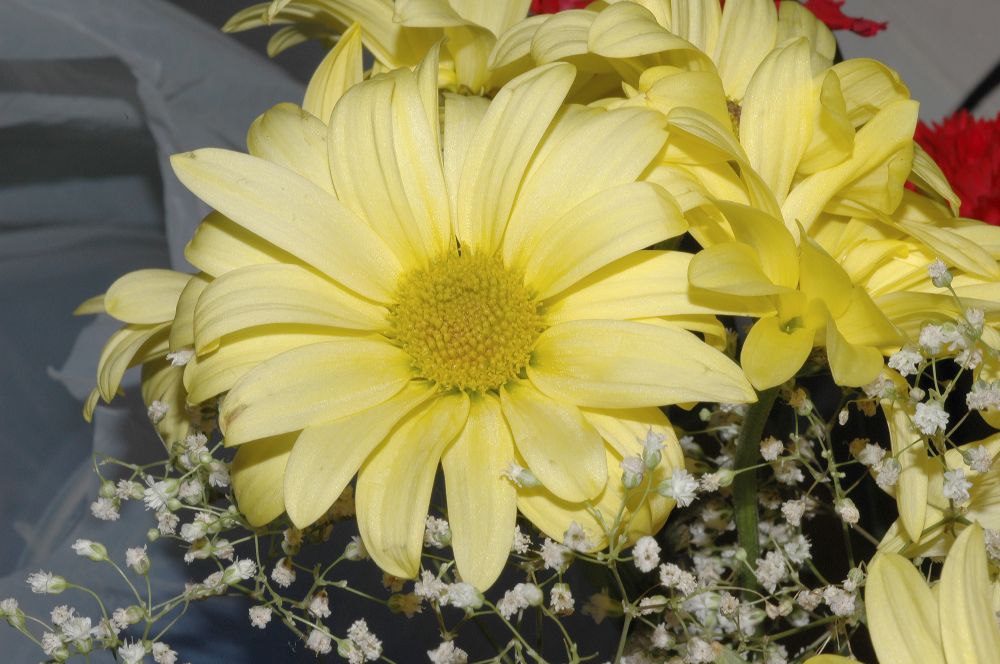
<point x="446" y="259"/>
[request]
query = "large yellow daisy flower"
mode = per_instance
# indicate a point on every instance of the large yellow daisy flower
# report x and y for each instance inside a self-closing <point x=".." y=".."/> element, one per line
<point x="476" y="300"/>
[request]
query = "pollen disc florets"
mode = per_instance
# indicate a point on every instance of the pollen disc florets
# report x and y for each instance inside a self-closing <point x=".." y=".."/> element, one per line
<point x="468" y="322"/>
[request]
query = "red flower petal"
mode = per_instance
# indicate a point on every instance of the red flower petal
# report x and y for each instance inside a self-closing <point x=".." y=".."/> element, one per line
<point x="968" y="152"/>
<point x="830" y="12"/>
<point x="553" y="6"/>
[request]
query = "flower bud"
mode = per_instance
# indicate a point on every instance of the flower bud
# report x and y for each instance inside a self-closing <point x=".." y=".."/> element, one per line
<point x="107" y="489"/>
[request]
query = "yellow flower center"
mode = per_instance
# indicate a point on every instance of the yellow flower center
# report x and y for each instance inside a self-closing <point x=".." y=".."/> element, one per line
<point x="467" y="321"/>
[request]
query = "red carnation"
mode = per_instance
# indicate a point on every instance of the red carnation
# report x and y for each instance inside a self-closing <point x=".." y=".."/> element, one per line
<point x="830" y="12"/>
<point x="553" y="6"/>
<point x="968" y="152"/>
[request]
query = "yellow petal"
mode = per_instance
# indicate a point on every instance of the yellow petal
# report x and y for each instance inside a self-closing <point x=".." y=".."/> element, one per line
<point x="609" y="225"/>
<point x="340" y="69"/>
<point x="733" y="268"/>
<point x="482" y="504"/>
<point x="294" y="214"/>
<point x="145" y="297"/>
<point x="92" y="305"/>
<point x="563" y="36"/>
<point x="670" y="88"/>
<point x="514" y="45"/>
<point x="326" y="456"/>
<point x="644" y="284"/>
<point x="220" y="245"/>
<point x="563" y="451"/>
<point x="182" y="329"/>
<point x="697" y="21"/>
<point x="868" y="86"/>
<point x="775" y="246"/>
<point x="774" y="351"/>
<point x="909" y="449"/>
<point x="902" y="613"/>
<point x="211" y="375"/>
<point x="776" y="120"/>
<point x="386" y="170"/>
<point x="462" y="115"/>
<point x="427" y="14"/>
<point x="315" y="383"/>
<point x="822" y="278"/>
<point x="969" y="628"/>
<point x="258" y="474"/>
<point x="391" y="43"/>
<point x="125" y="348"/>
<point x="394" y="484"/>
<point x="500" y="150"/>
<point x="90" y="404"/>
<point x="470" y="47"/>
<point x="747" y="34"/>
<point x="628" y="30"/>
<point x="278" y="294"/>
<point x="794" y="21"/>
<point x="954" y="248"/>
<point x="585" y="152"/>
<point x="928" y="176"/>
<point x="852" y="365"/>
<point x="618" y="364"/>
<point x="890" y="131"/>
<point x="833" y="134"/>
<point x="863" y="323"/>
<point x="704" y="128"/>
<point x="294" y="139"/>
<point x="163" y="382"/>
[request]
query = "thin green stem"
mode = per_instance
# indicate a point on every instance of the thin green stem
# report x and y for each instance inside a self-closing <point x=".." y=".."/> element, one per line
<point x="745" y="484"/>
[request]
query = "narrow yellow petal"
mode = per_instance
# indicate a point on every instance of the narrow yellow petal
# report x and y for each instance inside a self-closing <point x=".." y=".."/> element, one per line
<point x="210" y="375"/>
<point x="326" y="456"/>
<point x="747" y="34"/>
<point x="482" y="504"/>
<point x="163" y="382"/>
<point x="563" y="451"/>
<point x="928" y="176"/>
<point x="278" y="294"/>
<point x="875" y="145"/>
<point x="585" y="152"/>
<point x="775" y="246"/>
<point x="92" y="305"/>
<point x="628" y="30"/>
<point x="794" y="21"/>
<point x="833" y="134"/>
<point x="902" y="613"/>
<point x="220" y="245"/>
<point x="500" y="150"/>
<point x="868" y="86"/>
<point x="340" y="69"/>
<point x="619" y="364"/>
<point x="969" y="628"/>
<point x="604" y="228"/>
<point x="462" y="115"/>
<point x="258" y="473"/>
<point x="384" y="169"/>
<point x="644" y="284"/>
<point x="90" y="404"/>
<point x="145" y="297"/>
<point x="125" y="348"/>
<point x="777" y="115"/>
<point x="294" y="139"/>
<point x="394" y="485"/>
<point x="182" y="329"/>
<point x="852" y="365"/>
<point x="733" y="268"/>
<point x="822" y="278"/>
<point x="909" y="449"/>
<point x="698" y="22"/>
<point x="293" y="214"/>
<point x="774" y="352"/>
<point x="315" y="383"/>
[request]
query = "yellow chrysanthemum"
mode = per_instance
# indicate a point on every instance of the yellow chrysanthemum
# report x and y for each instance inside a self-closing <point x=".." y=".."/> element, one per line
<point x="951" y="623"/>
<point x="400" y="33"/>
<point x="476" y="299"/>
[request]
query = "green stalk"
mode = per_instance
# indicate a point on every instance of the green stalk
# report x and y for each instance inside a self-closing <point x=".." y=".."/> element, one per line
<point x="745" y="483"/>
